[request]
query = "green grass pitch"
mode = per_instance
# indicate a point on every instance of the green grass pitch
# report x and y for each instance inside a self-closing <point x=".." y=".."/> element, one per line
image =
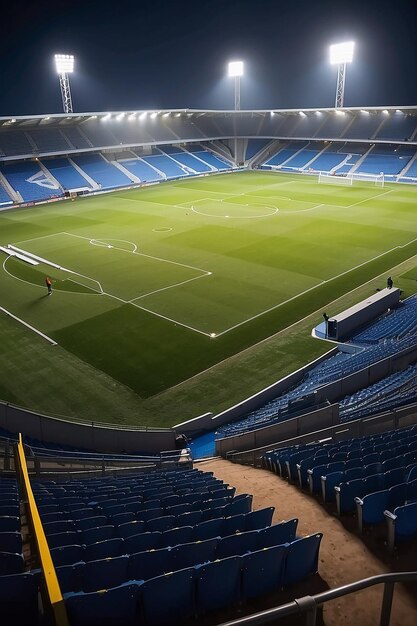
<point x="157" y="285"/>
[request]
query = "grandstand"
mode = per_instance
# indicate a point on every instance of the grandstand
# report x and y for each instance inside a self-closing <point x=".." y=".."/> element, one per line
<point x="201" y="244"/>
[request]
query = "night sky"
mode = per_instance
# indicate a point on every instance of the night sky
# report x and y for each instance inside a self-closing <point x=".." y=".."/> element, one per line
<point x="173" y="54"/>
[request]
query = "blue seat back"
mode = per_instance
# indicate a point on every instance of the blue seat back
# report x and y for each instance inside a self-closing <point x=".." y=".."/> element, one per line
<point x="219" y="584"/>
<point x="278" y="534"/>
<point x="302" y="559"/>
<point x="262" y="571"/>
<point x="106" y="607"/>
<point x="169" y="599"/>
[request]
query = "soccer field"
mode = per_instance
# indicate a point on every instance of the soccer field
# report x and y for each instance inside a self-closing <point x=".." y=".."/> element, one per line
<point x="157" y="284"/>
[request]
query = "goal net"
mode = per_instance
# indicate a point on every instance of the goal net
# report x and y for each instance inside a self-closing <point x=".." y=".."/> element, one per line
<point x="334" y="179"/>
<point x="377" y="179"/>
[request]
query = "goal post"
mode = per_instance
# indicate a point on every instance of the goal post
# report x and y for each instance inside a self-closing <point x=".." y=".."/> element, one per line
<point x="334" y="179"/>
<point x="377" y="179"/>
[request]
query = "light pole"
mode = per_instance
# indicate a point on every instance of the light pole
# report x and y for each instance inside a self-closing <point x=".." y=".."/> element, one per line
<point x="340" y="55"/>
<point x="64" y="64"/>
<point x="235" y="70"/>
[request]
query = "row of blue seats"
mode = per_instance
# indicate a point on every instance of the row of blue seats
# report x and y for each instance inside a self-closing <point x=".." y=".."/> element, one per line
<point x="10" y="528"/>
<point x="216" y="527"/>
<point x="171" y="598"/>
<point x="329" y="370"/>
<point x="109" y="572"/>
<point x="199" y="590"/>
<point x="370" y="507"/>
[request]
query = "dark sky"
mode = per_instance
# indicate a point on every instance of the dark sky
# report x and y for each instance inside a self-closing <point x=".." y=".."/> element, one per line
<point x="172" y="54"/>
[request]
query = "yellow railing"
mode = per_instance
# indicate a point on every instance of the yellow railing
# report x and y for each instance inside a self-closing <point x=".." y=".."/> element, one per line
<point x="51" y="581"/>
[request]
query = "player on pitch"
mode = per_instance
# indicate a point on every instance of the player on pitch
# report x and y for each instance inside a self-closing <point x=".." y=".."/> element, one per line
<point x="48" y="283"/>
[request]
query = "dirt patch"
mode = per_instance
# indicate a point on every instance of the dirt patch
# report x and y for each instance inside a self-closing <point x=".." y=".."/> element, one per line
<point x="344" y="556"/>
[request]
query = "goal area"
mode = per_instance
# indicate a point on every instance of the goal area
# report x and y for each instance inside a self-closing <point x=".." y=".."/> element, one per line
<point x="351" y="178"/>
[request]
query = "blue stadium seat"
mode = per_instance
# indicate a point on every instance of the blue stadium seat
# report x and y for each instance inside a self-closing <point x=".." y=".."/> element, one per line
<point x="105" y="549"/>
<point x="259" y="519"/>
<point x="238" y="544"/>
<point x="302" y="559"/>
<point x="108" y="607"/>
<point x="129" y="529"/>
<point x="219" y="584"/>
<point x="189" y="519"/>
<point x="263" y="571"/>
<point x="92" y="522"/>
<point x="278" y="534"/>
<point x="19" y="599"/>
<point x="160" y="524"/>
<point x="196" y="553"/>
<point x="208" y="529"/>
<point x="9" y="523"/>
<point x="11" y="541"/>
<point x="148" y="564"/>
<point x="142" y="542"/>
<point x="66" y="538"/>
<point x="175" y="536"/>
<point x="11" y="563"/>
<point x="105" y="573"/>
<point x="60" y="526"/>
<point x="402" y="524"/>
<point x="67" y="555"/>
<point x="234" y="524"/>
<point x="168" y="599"/>
<point x="100" y="533"/>
<point x="70" y="577"/>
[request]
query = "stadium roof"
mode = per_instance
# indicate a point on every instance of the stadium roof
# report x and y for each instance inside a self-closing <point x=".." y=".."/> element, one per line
<point x="78" y="118"/>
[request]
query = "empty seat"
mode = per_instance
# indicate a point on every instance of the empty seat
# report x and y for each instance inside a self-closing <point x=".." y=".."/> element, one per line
<point x="92" y="522"/>
<point x="11" y="563"/>
<point x="131" y="528"/>
<point x="218" y="584"/>
<point x="148" y="564"/>
<point x="19" y="599"/>
<point x="142" y="542"/>
<point x="67" y="538"/>
<point x="302" y="558"/>
<point x="10" y="541"/>
<point x="402" y="523"/>
<point x="9" y="523"/>
<point x="259" y="519"/>
<point x="238" y="544"/>
<point x="59" y="526"/>
<point x="263" y="571"/>
<point x="105" y="573"/>
<point x="108" y="607"/>
<point x="278" y="534"/>
<point x="234" y="524"/>
<point x="173" y="537"/>
<point x="104" y="549"/>
<point x="165" y="522"/>
<point x="100" y="533"/>
<point x="195" y="553"/>
<point x="168" y="599"/>
<point x="208" y="529"/>
<point x="67" y="555"/>
<point x="70" y="577"/>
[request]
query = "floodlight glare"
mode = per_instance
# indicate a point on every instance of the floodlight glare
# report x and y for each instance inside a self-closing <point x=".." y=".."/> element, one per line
<point x="64" y="63"/>
<point x="342" y="53"/>
<point x="235" y="69"/>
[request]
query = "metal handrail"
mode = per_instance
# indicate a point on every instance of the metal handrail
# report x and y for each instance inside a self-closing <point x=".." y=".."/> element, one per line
<point x="308" y="605"/>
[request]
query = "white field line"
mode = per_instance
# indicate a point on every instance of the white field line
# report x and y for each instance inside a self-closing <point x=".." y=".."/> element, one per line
<point x="169" y="319"/>
<point x="149" y="256"/>
<point x="40" y="237"/>
<point x="72" y="280"/>
<point x="277" y="306"/>
<point x="283" y="330"/>
<point x="384" y="193"/>
<point x="189" y="280"/>
<point x="32" y="328"/>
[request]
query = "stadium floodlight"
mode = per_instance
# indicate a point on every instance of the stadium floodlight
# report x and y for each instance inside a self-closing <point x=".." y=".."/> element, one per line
<point x="235" y="70"/>
<point x="385" y="112"/>
<point x="143" y="115"/>
<point x="106" y="117"/>
<point x="153" y="115"/>
<point x="64" y="64"/>
<point x="365" y="112"/>
<point x="120" y="116"/>
<point x="341" y="54"/>
<point x="302" y="114"/>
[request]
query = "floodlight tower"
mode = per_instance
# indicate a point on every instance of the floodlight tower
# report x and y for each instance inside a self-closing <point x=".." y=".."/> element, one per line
<point x="64" y="64"/>
<point x="340" y="55"/>
<point x="235" y="70"/>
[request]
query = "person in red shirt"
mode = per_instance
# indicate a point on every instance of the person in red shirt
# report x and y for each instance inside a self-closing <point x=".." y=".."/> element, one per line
<point x="48" y="283"/>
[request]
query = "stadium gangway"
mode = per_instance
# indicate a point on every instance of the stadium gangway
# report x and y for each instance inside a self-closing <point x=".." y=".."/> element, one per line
<point x="309" y="605"/>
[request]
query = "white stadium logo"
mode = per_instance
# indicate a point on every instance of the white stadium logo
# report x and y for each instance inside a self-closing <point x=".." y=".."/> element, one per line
<point x="41" y="180"/>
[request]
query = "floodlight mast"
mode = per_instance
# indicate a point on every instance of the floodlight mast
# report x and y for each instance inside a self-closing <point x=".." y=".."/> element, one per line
<point x="64" y="64"/>
<point x="340" y="55"/>
<point x="235" y="70"/>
